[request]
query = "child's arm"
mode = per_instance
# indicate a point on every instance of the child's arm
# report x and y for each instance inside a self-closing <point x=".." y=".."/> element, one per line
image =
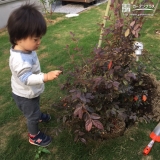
<point x="51" y="75"/>
<point x="23" y="72"/>
<point x="34" y="79"/>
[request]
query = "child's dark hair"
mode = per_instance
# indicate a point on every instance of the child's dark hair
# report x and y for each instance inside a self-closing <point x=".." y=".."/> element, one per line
<point x="24" y="22"/>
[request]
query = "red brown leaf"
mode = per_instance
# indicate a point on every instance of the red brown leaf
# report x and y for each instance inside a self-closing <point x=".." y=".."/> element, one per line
<point x="137" y="26"/>
<point x="76" y="112"/>
<point x="83" y="140"/>
<point x="80" y="113"/>
<point x="110" y="65"/>
<point x="88" y="125"/>
<point x="98" y="124"/>
<point x="116" y="84"/>
<point x="109" y="85"/>
<point x="144" y="98"/>
<point x="132" y="23"/>
<point x="135" y="98"/>
<point x="95" y="116"/>
<point x="133" y="32"/>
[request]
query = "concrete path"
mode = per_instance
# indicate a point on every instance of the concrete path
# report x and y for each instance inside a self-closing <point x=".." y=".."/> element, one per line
<point x="72" y="8"/>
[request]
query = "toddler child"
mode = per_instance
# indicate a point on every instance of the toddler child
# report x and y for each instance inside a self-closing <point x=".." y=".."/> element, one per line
<point x="26" y="26"/>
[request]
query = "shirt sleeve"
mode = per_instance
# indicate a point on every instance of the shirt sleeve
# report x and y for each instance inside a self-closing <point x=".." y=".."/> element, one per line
<point x="23" y="71"/>
<point x="34" y="79"/>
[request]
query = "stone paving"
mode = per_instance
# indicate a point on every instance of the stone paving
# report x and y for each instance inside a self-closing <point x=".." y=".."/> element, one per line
<point x="72" y="8"/>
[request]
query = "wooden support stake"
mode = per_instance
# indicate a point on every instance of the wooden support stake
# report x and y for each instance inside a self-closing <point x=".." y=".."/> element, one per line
<point x="104" y="23"/>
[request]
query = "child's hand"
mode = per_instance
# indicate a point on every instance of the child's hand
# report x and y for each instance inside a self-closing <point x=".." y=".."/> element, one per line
<point x="51" y="75"/>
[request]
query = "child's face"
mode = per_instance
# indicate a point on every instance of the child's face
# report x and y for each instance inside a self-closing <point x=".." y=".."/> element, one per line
<point x="28" y="44"/>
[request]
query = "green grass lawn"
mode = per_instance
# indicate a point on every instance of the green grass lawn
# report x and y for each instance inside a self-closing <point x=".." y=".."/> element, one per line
<point x="14" y="143"/>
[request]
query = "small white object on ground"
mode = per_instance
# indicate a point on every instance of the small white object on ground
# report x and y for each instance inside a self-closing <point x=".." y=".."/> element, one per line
<point x="72" y="15"/>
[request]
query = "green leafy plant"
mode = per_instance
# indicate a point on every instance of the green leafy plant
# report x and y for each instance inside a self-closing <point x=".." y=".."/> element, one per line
<point x="110" y="89"/>
<point x="39" y="152"/>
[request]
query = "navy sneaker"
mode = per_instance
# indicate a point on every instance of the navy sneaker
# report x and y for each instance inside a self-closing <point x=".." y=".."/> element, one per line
<point x="45" y="118"/>
<point x="40" y="140"/>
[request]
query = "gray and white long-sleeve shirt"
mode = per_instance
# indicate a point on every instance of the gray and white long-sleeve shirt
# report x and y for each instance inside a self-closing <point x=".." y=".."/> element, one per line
<point x="27" y="78"/>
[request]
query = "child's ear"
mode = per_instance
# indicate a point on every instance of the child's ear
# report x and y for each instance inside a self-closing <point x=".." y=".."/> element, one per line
<point x="18" y="41"/>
